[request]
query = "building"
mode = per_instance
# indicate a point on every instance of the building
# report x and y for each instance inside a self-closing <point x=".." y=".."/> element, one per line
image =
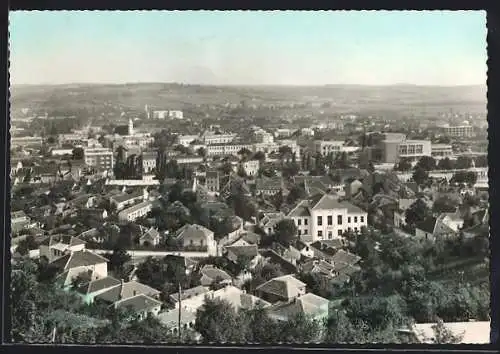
<point x="150" y="238"/>
<point x="160" y="114"/>
<point x="26" y="141"/>
<point x="325" y="218"/>
<point x="80" y="263"/>
<point x="185" y="140"/>
<point x="284" y="288"/>
<point x="196" y="236"/>
<point x="212" y="181"/>
<point x="325" y="147"/>
<point x="269" y="186"/>
<point x="251" y="167"/>
<point x="227" y="149"/>
<point x="308" y="305"/>
<point x="211" y="138"/>
<point x="471" y="332"/>
<point x="57" y="246"/>
<point x="191" y="299"/>
<point x="101" y="158"/>
<point x="261" y="136"/>
<point x="148" y="161"/>
<point x="395" y="149"/>
<point x="441" y="150"/>
<point x="120" y="201"/>
<point x="176" y="114"/>
<point x="135" y="212"/>
<point x="459" y="131"/>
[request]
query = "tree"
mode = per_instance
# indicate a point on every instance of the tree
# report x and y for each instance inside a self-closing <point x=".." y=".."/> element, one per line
<point x="445" y="164"/>
<point x="427" y="163"/>
<point x="202" y="152"/>
<point x="420" y="176"/>
<point x="417" y="212"/>
<point x="443" y="335"/>
<point x="259" y="155"/>
<point x="218" y="322"/>
<point x="403" y="165"/>
<point x="481" y="161"/>
<point x="463" y="162"/>
<point x="78" y="153"/>
<point x="24" y="246"/>
<point x="296" y="193"/>
<point x="468" y="177"/>
<point x="117" y="261"/>
<point x="285" y="232"/>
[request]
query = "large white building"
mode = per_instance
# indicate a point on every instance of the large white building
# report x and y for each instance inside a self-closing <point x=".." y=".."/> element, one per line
<point x="227" y="149"/>
<point x="326" y="147"/>
<point x="99" y="157"/>
<point x="464" y="130"/>
<point x="325" y="218"/>
<point x="210" y="138"/>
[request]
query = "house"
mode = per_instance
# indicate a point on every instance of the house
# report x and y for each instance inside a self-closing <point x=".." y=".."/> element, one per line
<point x="78" y="263"/>
<point x="191" y="299"/>
<point x="249" y="251"/>
<point x="135" y="212"/>
<point x="251" y="167"/>
<point x="269" y="221"/>
<point x="309" y="305"/>
<point x="188" y="264"/>
<point x="290" y="253"/>
<point x="141" y="305"/>
<point x="123" y="200"/>
<point x="126" y="290"/>
<point x="284" y="288"/>
<point x="197" y="237"/>
<point x="481" y="216"/>
<point x="213" y="275"/>
<point x="150" y="238"/>
<point x="170" y="319"/>
<point x="89" y="290"/>
<point x="453" y="220"/>
<point x="96" y="213"/>
<point x="472" y="332"/>
<point x="353" y="187"/>
<point x="58" y="245"/>
<point x="304" y="249"/>
<point x="238" y="298"/>
<point x="431" y="228"/>
<point x="271" y="256"/>
<point x="269" y="186"/>
<point x="18" y="217"/>
<point x="324" y="217"/>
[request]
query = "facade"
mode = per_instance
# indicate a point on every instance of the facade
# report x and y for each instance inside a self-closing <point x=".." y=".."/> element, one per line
<point x="57" y="246"/>
<point x="185" y="140"/>
<point x="227" y="149"/>
<point x="326" y="147"/>
<point x="326" y="218"/>
<point x="459" y="131"/>
<point x="251" y="167"/>
<point x="393" y="150"/>
<point x="135" y="212"/>
<point x="101" y="158"/>
<point x="212" y="181"/>
<point x="212" y="138"/>
<point x="26" y="141"/>
<point x="261" y="136"/>
<point x="148" y="161"/>
<point x="197" y="236"/>
<point x="441" y="150"/>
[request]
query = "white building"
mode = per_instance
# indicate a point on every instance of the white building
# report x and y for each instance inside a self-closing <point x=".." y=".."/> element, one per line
<point x="135" y="212"/>
<point x="210" y="138"/>
<point x="251" y="167"/>
<point x="326" y="147"/>
<point x="441" y="150"/>
<point x="227" y="149"/>
<point x="185" y="140"/>
<point x="326" y="218"/>
<point x="99" y="157"/>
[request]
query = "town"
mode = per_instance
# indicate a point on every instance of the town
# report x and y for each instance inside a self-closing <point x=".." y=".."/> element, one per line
<point x="247" y="222"/>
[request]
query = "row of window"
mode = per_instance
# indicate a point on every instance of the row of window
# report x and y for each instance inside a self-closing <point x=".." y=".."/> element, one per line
<point x="411" y="149"/>
<point x="330" y="233"/>
<point x="339" y="220"/>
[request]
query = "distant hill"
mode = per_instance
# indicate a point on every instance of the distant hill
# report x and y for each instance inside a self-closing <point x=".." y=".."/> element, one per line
<point x="168" y="95"/>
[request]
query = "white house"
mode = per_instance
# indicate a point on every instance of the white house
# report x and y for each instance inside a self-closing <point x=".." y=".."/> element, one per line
<point x="325" y="218"/>
<point x="57" y="246"/>
<point x="135" y="212"/>
<point x="251" y="167"/>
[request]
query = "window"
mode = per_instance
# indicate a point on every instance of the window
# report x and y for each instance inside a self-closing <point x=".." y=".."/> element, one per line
<point x="355" y="229"/>
<point x="348" y="219"/>
<point x="305" y="221"/>
<point x="320" y="220"/>
<point x="339" y="219"/>
<point x="340" y="232"/>
<point x="355" y="219"/>
<point x="320" y="233"/>
<point x="299" y="222"/>
<point x="330" y="219"/>
<point x="299" y="232"/>
<point x="362" y="218"/>
<point x="305" y="231"/>
<point x="330" y="234"/>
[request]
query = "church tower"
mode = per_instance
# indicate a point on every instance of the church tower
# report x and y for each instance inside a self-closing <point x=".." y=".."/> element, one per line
<point x="130" y="127"/>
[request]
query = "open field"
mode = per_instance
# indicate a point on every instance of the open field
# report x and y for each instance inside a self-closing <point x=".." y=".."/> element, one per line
<point x="177" y="96"/>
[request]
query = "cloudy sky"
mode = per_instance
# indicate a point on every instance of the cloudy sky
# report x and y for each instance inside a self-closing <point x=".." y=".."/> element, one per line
<point x="244" y="47"/>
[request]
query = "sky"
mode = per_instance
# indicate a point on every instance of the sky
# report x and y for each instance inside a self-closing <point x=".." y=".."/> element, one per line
<point x="249" y="47"/>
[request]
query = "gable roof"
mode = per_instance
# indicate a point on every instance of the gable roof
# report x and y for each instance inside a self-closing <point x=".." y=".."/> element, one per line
<point x="188" y="293"/>
<point x="78" y="259"/>
<point x="238" y="298"/>
<point x="327" y="202"/>
<point x="126" y="290"/>
<point x="120" y="198"/>
<point x="151" y="234"/>
<point x="273" y="183"/>
<point x="246" y="250"/>
<point x="98" y="284"/>
<point x="300" y="210"/>
<point x="193" y="231"/>
<point x="345" y="257"/>
<point x="285" y="286"/>
<point x="64" y="239"/>
<point x="215" y="273"/>
<point x="138" y="303"/>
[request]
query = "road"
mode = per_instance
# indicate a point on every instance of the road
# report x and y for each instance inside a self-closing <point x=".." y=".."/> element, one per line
<point x="141" y="255"/>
